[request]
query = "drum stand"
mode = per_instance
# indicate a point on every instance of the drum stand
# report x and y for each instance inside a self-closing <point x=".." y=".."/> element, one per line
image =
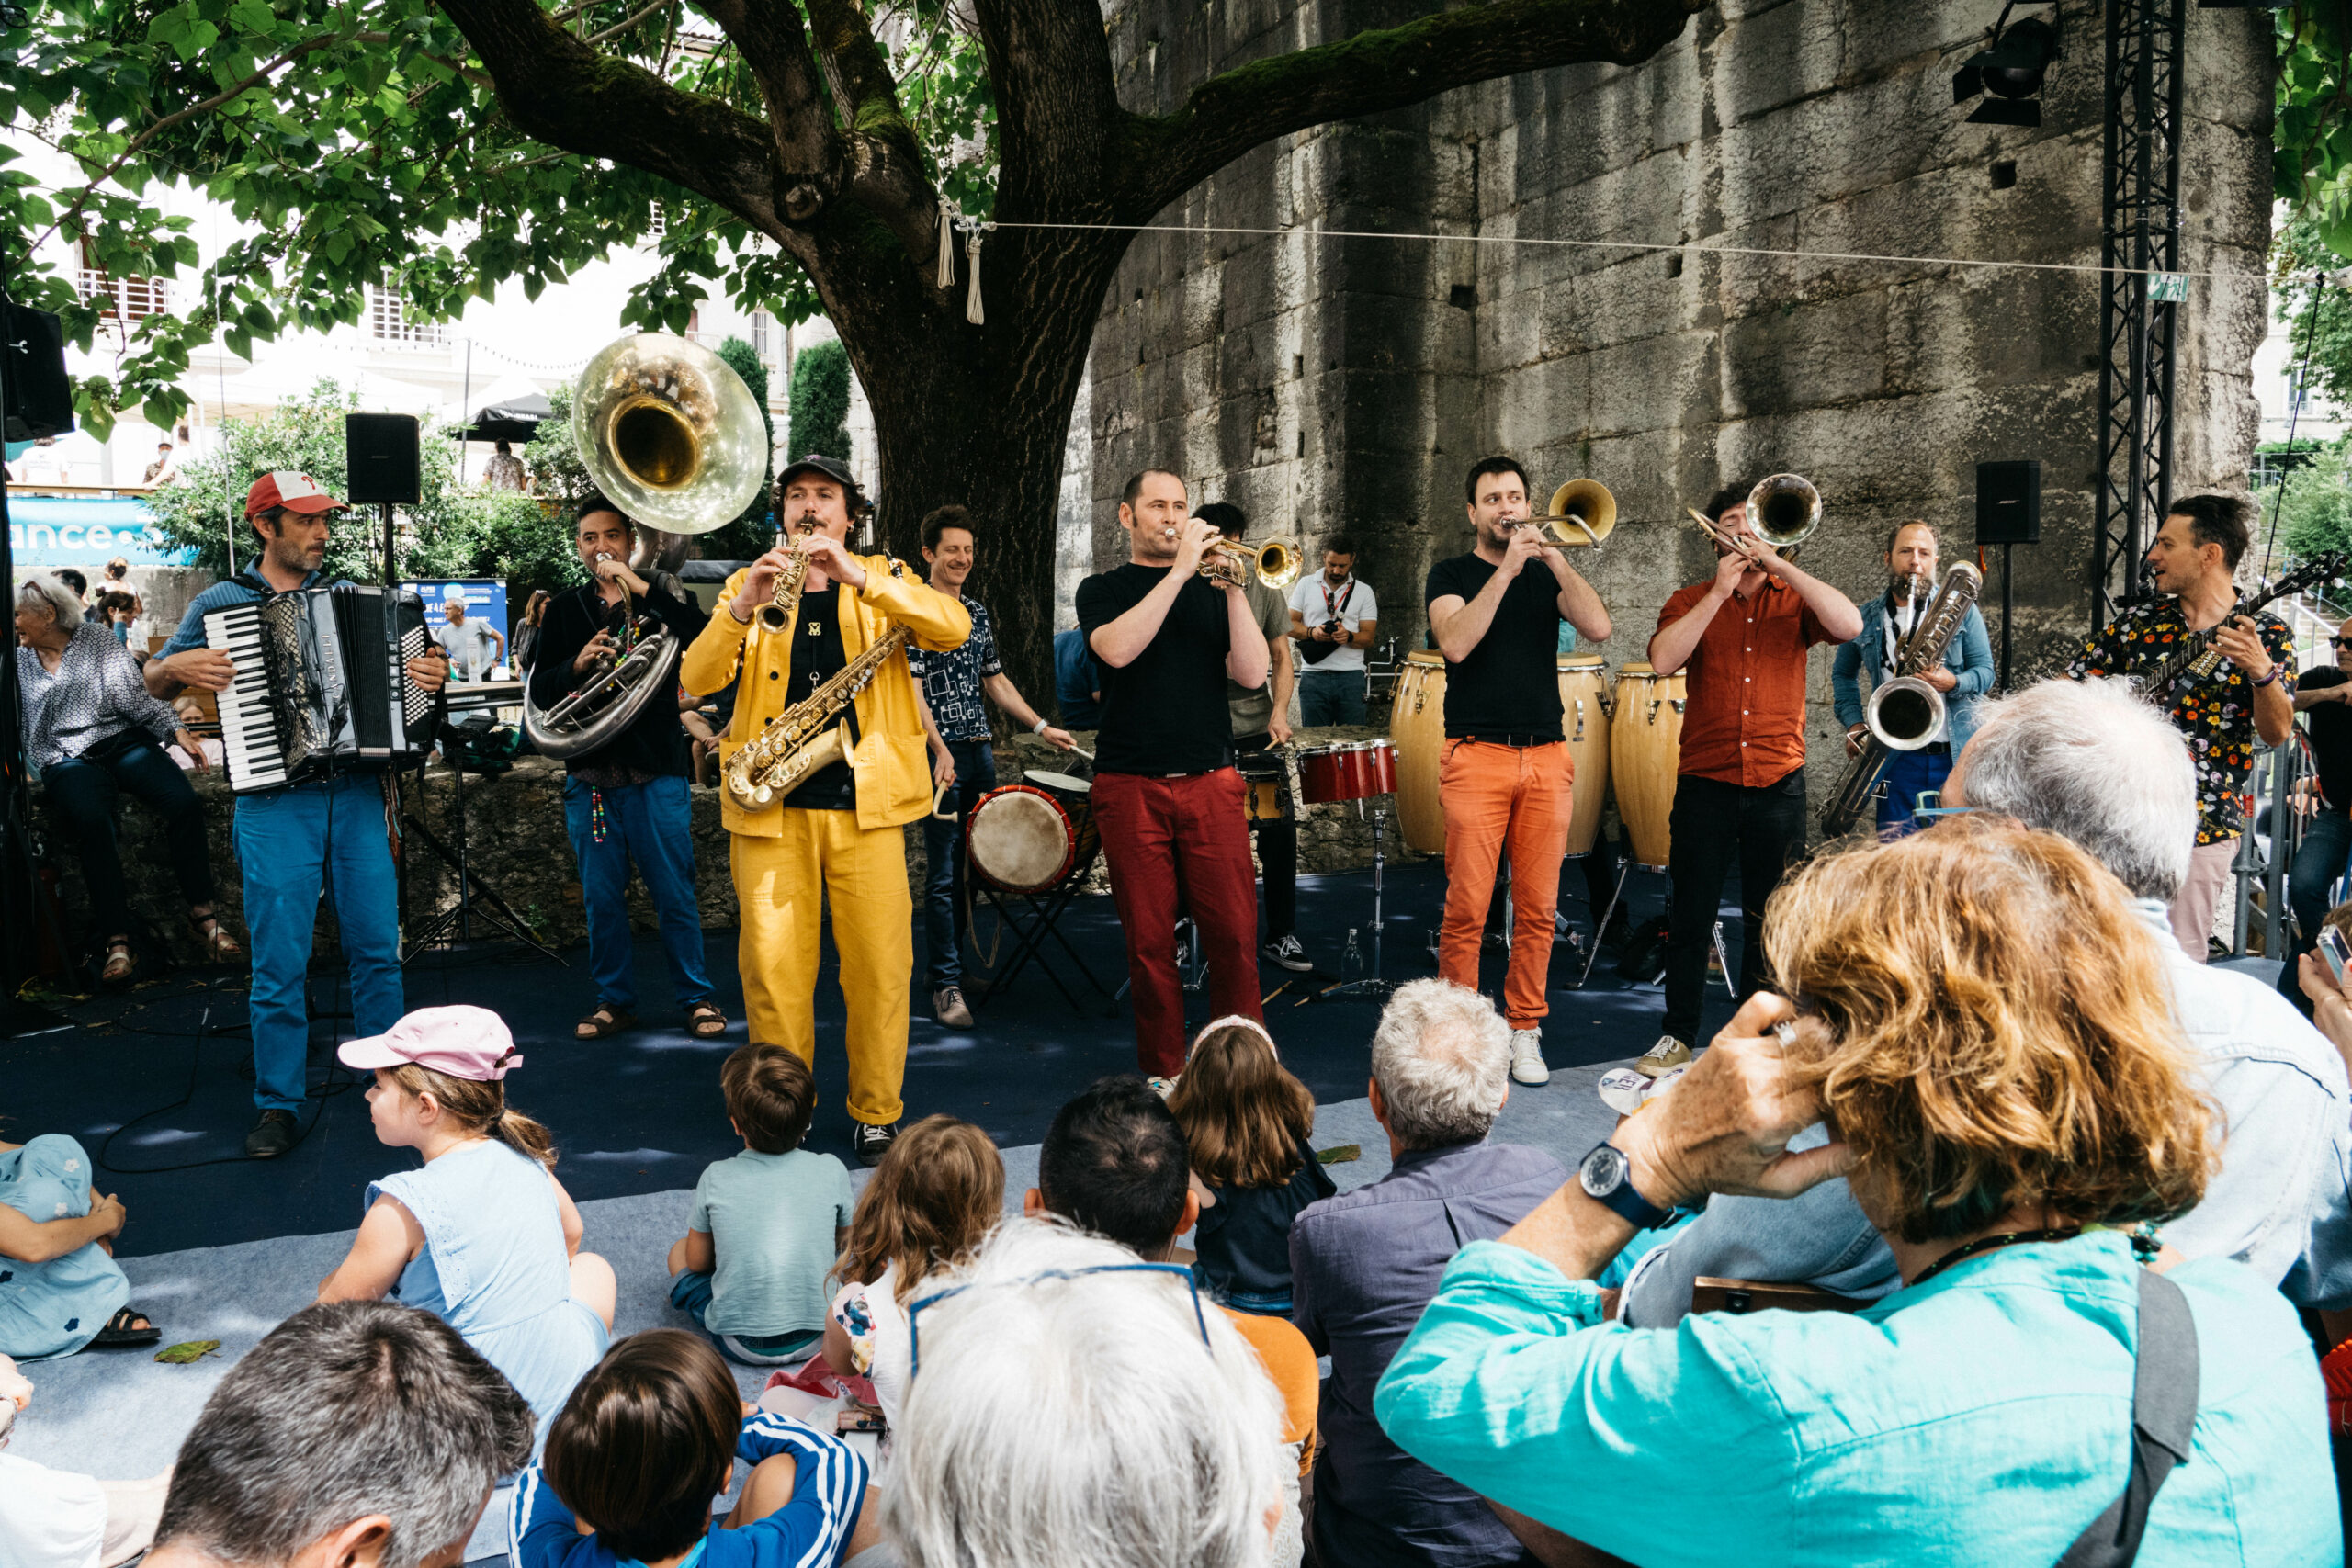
<point x="1036" y="921"/>
<point x="1372" y="988"/>
<point x="1627" y="868"/>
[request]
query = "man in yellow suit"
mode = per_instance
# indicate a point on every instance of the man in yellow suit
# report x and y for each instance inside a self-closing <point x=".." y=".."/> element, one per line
<point x="836" y="832"/>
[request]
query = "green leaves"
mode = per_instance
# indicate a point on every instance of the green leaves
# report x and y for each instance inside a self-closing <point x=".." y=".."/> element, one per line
<point x="2311" y="166"/>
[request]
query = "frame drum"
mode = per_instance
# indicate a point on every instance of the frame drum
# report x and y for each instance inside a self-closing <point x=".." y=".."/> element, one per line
<point x="1022" y="840"/>
<point x="1346" y="770"/>
<point x="1584" y="720"/>
<point x="1645" y="755"/>
<point x="1417" y="725"/>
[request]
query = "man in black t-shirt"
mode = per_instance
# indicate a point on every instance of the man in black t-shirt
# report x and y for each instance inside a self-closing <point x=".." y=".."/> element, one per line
<point x="628" y="800"/>
<point x="1505" y="770"/>
<point x="1166" y="797"/>
<point x="2324" y="692"/>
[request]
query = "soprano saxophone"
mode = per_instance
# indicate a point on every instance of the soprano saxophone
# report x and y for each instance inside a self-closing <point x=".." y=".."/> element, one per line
<point x="1905" y="713"/>
<point x="810" y="734"/>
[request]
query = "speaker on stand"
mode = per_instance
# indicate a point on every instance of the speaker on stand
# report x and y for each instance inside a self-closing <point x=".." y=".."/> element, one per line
<point x="2008" y="514"/>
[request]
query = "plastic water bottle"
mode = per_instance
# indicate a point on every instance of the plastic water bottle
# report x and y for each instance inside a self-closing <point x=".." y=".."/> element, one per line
<point x="1351" y="960"/>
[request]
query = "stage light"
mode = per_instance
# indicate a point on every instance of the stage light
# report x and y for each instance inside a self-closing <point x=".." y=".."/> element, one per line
<point x="2008" y="73"/>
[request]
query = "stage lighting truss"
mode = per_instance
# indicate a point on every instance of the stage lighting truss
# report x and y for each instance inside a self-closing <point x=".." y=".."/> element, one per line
<point x="2007" y="72"/>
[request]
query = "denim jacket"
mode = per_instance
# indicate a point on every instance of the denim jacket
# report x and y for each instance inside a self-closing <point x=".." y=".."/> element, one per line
<point x="1968" y="656"/>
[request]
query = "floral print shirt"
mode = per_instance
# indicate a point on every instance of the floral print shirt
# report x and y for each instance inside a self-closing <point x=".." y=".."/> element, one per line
<point x="2215" y="711"/>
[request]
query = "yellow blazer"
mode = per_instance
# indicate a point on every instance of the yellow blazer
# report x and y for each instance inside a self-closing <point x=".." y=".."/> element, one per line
<point x="890" y="762"/>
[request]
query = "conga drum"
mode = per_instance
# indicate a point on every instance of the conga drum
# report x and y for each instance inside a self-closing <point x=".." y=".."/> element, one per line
<point x="1417" y="725"/>
<point x="1584" y="720"/>
<point x="1644" y="754"/>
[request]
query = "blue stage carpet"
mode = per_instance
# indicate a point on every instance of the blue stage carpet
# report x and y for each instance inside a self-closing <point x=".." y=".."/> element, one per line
<point x="641" y="1113"/>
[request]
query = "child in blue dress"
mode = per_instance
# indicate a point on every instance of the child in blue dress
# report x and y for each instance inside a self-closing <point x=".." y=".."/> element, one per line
<point x="483" y="1237"/>
<point x="60" y="1288"/>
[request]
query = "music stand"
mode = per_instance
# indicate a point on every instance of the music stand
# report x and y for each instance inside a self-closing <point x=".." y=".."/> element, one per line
<point x="1034" y="917"/>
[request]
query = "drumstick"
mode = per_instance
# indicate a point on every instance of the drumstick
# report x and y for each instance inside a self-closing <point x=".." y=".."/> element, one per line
<point x="937" y="815"/>
<point x="1277" y="991"/>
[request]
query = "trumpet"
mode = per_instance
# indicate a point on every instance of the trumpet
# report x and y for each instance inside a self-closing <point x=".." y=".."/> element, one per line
<point x="1783" y="509"/>
<point x="1582" y="514"/>
<point x="1274" y="562"/>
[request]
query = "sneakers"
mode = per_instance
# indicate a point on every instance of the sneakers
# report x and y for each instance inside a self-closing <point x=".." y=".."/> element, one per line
<point x="273" y="1135"/>
<point x="869" y="1142"/>
<point x="1663" y="1057"/>
<point x="1288" y="953"/>
<point x="1527" y="1057"/>
<point x="948" y="1007"/>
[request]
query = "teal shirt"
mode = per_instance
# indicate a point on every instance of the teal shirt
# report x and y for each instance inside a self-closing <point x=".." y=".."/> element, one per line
<point x="771" y="1220"/>
<point x="1983" y="1416"/>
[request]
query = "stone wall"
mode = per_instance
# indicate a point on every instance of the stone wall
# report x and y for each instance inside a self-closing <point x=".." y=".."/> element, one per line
<point x="1328" y="383"/>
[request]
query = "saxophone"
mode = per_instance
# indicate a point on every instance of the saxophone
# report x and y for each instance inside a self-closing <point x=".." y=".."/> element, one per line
<point x="809" y="735"/>
<point x="1905" y="713"/>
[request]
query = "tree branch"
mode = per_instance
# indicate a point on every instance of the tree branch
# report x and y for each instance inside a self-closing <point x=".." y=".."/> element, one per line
<point x="1056" y="103"/>
<point x="1387" y="69"/>
<point x="767" y="34"/>
<point x="886" y="161"/>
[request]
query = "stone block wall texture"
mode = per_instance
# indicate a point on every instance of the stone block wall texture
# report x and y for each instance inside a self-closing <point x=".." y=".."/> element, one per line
<point x="1323" y="382"/>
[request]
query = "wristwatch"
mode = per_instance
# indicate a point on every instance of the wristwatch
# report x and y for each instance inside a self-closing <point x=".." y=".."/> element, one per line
<point x="1608" y="1176"/>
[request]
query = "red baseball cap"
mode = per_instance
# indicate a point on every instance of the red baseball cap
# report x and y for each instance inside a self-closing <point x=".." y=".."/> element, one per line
<point x="295" y="493"/>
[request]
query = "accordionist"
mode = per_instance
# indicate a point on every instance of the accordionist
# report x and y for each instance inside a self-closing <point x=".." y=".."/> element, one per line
<point x="289" y="837"/>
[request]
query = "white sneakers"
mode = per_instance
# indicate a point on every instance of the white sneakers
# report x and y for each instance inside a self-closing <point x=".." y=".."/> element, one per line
<point x="1527" y="1057"/>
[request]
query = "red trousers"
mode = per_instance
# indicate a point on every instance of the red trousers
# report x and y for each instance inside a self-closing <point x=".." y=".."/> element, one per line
<point x="1491" y="793"/>
<point x="1181" y="844"/>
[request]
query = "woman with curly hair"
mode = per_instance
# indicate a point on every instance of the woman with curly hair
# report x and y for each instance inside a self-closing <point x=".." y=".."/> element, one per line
<point x="1980" y="1019"/>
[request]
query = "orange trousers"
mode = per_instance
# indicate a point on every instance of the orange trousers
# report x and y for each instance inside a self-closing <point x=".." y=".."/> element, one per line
<point x="1493" y="792"/>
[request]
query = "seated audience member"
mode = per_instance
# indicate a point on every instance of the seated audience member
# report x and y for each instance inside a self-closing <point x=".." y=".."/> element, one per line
<point x="1115" y="1163"/>
<point x="356" y="1435"/>
<point x="64" y="1290"/>
<point x="2331" y="1003"/>
<point x="1365" y="1263"/>
<point x="645" y="1443"/>
<point x="2093" y="763"/>
<point x="1074" y="1409"/>
<point x="115" y="612"/>
<point x="93" y="734"/>
<point x="1985" y="1023"/>
<point x="939" y="1189"/>
<point x="484" y="1235"/>
<point x="1246" y="1123"/>
<point x="767" y="1223"/>
<point x="55" y="1518"/>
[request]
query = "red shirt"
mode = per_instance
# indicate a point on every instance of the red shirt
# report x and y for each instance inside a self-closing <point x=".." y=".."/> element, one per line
<point x="1745" y="724"/>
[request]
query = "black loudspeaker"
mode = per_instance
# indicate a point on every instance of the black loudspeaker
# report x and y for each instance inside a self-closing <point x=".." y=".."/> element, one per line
<point x="2008" y="503"/>
<point x="381" y="452"/>
<point x="40" y="399"/>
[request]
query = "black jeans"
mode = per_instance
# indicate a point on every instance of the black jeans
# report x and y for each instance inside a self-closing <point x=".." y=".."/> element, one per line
<point x="1713" y="824"/>
<point x="82" y="791"/>
<point x="1277" y="850"/>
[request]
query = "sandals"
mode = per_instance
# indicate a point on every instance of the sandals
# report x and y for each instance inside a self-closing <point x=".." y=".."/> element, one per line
<point x="127" y="1329"/>
<point x="219" y="946"/>
<point x="606" y="1021"/>
<point x="704" y="1021"/>
<point x="119" y="965"/>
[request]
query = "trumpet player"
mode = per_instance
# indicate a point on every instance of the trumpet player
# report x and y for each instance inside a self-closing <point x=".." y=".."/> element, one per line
<point x="1166" y="795"/>
<point x="836" y="834"/>
<point x="629" y="799"/>
<point x="1506" y="773"/>
<point x="1966" y="674"/>
<point x="1743" y="636"/>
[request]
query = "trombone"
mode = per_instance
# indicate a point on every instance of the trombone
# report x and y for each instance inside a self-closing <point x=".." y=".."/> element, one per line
<point x="1582" y="514"/>
<point x="1783" y="509"/>
<point x="1274" y="562"/>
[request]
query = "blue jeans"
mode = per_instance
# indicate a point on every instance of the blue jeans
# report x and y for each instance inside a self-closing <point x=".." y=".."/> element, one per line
<point x="653" y="824"/>
<point x="690" y="1293"/>
<point x="2319" y="860"/>
<point x="288" y="840"/>
<point x="1330" y="696"/>
<point x="1907" y="773"/>
<point x="943" y="914"/>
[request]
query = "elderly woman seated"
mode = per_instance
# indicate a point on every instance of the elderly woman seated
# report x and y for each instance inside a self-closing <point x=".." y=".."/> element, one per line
<point x="92" y="732"/>
<point x="1068" y="1405"/>
<point x="1980" y="1019"/>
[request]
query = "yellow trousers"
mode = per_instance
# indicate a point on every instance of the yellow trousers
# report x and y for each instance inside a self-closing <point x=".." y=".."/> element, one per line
<point x="782" y="884"/>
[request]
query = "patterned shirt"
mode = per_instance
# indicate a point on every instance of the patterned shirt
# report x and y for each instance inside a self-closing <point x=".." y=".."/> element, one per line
<point x="2215" y="711"/>
<point x="951" y="682"/>
<point x="94" y="691"/>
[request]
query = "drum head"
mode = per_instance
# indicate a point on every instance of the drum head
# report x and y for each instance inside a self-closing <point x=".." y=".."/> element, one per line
<point x="1021" y="838"/>
<point x="1070" y="784"/>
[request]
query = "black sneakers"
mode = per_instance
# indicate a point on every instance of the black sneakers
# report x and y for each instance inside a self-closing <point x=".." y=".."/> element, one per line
<point x="1288" y="953"/>
<point x="869" y="1142"/>
<point x="273" y="1135"/>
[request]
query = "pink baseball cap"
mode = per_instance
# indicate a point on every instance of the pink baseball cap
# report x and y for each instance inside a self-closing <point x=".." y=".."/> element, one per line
<point x="463" y="1042"/>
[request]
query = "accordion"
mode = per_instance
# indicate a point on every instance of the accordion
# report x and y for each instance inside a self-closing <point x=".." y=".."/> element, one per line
<point x="322" y="685"/>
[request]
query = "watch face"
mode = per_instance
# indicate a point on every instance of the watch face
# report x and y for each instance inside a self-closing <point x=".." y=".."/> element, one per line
<point x="1603" y="1170"/>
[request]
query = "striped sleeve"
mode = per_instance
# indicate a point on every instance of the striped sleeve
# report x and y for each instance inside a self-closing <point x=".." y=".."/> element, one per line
<point x="828" y="1492"/>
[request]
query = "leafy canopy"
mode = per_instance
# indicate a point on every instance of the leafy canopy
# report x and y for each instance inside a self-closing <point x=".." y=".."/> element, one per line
<point x="362" y="144"/>
<point x="2312" y="159"/>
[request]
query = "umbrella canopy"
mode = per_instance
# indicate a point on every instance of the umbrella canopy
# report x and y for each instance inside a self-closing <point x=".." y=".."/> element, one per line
<point x="509" y="409"/>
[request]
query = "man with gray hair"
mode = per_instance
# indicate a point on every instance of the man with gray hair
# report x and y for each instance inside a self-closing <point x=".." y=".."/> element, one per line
<point x="356" y="1435"/>
<point x="1072" y="1407"/>
<point x="1365" y="1263"/>
<point x="2095" y="764"/>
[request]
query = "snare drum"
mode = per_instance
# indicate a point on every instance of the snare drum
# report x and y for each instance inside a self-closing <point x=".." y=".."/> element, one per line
<point x="1022" y="839"/>
<point x="1264" y="774"/>
<point x="1346" y="770"/>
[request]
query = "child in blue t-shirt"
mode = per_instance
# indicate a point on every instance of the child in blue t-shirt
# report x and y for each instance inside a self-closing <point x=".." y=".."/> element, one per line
<point x="645" y="1444"/>
<point x="767" y="1223"/>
